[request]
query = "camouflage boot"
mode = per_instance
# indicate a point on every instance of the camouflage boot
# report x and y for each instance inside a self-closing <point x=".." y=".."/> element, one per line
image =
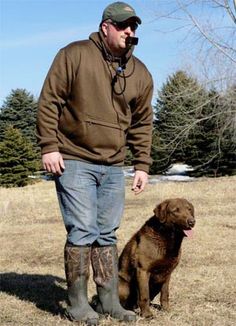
<point x="77" y="261"/>
<point x="105" y="269"/>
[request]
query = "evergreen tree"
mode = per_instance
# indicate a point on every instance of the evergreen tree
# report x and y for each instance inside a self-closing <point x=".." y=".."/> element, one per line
<point x="229" y="131"/>
<point x="19" y="110"/>
<point x="220" y="130"/>
<point x="179" y="106"/>
<point x="194" y="126"/>
<point x="128" y="158"/>
<point x="18" y="159"/>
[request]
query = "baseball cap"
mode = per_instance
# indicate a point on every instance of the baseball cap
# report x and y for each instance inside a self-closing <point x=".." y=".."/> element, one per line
<point x="119" y="12"/>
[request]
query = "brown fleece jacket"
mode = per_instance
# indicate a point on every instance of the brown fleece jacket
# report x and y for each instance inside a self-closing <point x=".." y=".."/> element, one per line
<point x="87" y="112"/>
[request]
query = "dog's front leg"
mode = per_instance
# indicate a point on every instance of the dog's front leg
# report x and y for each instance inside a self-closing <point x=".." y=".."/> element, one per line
<point x="164" y="299"/>
<point x="143" y="292"/>
<point x="124" y="290"/>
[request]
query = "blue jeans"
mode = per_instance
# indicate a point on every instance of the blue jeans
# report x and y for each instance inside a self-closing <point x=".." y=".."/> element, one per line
<point x="91" y="199"/>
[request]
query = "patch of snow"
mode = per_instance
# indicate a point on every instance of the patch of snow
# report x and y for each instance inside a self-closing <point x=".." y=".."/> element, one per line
<point x="179" y="169"/>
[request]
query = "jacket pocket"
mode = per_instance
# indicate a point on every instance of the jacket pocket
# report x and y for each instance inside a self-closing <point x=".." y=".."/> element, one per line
<point x="73" y="128"/>
<point x="95" y="135"/>
<point x="103" y="137"/>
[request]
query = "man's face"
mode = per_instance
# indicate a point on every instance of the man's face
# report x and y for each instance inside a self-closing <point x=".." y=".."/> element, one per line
<point x="116" y="34"/>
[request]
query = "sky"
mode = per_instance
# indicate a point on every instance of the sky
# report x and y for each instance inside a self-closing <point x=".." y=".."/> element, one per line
<point x="32" y="32"/>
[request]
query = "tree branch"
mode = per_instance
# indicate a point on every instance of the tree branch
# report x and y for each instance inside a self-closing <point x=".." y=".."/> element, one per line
<point x="227" y="6"/>
<point x="206" y="36"/>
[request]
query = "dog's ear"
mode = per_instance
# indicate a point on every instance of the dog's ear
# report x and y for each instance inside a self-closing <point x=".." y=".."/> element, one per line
<point x="161" y="211"/>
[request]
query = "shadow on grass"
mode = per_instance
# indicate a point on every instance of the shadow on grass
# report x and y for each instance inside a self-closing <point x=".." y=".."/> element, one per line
<point x="47" y="292"/>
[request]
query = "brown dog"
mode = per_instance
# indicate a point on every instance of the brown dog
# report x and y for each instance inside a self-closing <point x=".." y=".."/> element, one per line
<point x="150" y="256"/>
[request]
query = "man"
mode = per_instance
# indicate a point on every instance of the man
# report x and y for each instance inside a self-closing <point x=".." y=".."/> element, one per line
<point x="96" y="99"/>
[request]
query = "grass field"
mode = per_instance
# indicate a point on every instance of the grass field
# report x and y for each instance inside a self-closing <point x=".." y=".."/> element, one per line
<point x="202" y="289"/>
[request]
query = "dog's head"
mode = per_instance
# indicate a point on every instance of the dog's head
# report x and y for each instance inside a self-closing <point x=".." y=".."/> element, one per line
<point x="178" y="213"/>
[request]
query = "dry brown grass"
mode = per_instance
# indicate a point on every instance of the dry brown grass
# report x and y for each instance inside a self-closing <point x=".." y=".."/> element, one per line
<point x="202" y="289"/>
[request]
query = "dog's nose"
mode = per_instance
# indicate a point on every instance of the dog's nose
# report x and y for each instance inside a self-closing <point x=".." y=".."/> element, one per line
<point x="191" y="222"/>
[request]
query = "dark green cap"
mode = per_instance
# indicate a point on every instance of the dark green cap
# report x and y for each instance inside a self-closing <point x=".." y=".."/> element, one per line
<point x="119" y="12"/>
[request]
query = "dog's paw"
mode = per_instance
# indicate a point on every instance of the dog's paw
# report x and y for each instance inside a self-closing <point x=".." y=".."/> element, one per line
<point x="165" y="307"/>
<point x="147" y="314"/>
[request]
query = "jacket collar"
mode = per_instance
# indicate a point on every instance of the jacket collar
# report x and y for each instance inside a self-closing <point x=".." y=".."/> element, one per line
<point x="100" y="42"/>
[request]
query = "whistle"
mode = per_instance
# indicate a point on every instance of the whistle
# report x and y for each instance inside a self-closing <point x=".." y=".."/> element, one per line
<point x="131" y="40"/>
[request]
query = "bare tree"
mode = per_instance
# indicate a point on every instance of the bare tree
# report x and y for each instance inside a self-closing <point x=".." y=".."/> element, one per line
<point x="209" y="29"/>
<point x="218" y="35"/>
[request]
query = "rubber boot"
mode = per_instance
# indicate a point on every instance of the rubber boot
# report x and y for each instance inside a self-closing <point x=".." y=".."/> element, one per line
<point x="105" y="268"/>
<point x="77" y="259"/>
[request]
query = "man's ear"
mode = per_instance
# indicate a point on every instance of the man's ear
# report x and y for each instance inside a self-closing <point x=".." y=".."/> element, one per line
<point x="161" y="211"/>
<point x="104" y="26"/>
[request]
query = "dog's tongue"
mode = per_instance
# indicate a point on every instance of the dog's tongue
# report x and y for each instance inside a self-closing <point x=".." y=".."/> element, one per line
<point x="188" y="233"/>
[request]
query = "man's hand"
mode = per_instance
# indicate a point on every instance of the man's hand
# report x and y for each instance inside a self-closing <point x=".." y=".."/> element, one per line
<point x="140" y="181"/>
<point x="53" y="162"/>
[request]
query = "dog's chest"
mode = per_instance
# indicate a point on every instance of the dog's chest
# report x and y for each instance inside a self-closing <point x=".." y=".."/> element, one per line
<point x="162" y="254"/>
<point x="162" y="246"/>
<point x="162" y="268"/>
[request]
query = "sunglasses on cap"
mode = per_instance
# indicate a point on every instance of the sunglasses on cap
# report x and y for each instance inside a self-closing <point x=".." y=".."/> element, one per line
<point x="123" y="25"/>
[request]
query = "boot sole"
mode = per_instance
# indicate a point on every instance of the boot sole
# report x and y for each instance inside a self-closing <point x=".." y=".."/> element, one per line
<point x="92" y="322"/>
<point x="129" y="318"/>
<point x="89" y="322"/>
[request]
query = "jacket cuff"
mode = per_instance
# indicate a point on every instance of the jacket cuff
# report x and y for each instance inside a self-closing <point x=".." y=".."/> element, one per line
<point x="49" y="149"/>
<point x="142" y="167"/>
